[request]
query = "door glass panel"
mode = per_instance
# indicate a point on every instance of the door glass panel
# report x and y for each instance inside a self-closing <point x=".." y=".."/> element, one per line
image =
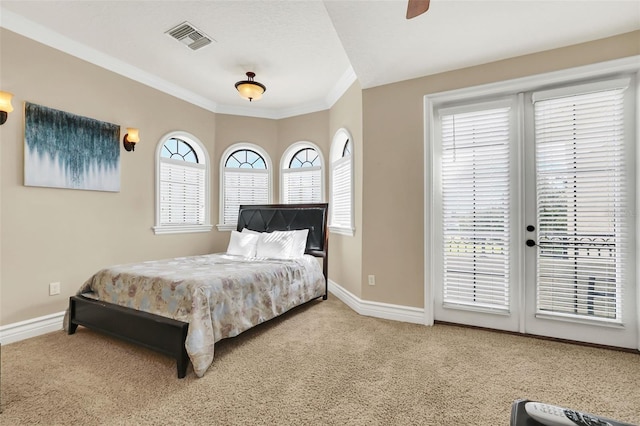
<point x="476" y="208"/>
<point x="581" y="205"/>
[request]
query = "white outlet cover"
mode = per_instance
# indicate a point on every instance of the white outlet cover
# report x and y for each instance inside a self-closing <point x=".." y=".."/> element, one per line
<point x="54" y="288"/>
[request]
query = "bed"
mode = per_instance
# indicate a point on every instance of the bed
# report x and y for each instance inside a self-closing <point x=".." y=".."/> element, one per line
<point x="182" y="306"/>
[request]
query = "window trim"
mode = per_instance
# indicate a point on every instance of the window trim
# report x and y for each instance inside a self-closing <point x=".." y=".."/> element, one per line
<point x="337" y="145"/>
<point x="223" y="159"/>
<point x="288" y="156"/>
<point x="203" y="156"/>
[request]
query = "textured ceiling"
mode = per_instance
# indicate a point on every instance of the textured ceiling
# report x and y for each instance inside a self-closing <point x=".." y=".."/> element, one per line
<point x="306" y="52"/>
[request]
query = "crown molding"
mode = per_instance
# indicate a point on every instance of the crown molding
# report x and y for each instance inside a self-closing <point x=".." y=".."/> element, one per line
<point x="34" y="31"/>
<point x="20" y="25"/>
<point x="341" y="86"/>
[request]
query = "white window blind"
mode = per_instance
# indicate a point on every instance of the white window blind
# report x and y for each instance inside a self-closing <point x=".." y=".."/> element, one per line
<point x="243" y="186"/>
<point x="581" y="196"/>
<point x="182" y="192"/>
<point x="341" y="193"/>
<point x="182" y="185"/>
<point x="302" y="185"/>
<point x="476" y="208"/>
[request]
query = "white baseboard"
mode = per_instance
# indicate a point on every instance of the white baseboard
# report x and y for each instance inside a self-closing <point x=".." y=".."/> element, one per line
<point x="46" y="324"/>
<point x="377" y="309"/>
<point x="31" y="328"/>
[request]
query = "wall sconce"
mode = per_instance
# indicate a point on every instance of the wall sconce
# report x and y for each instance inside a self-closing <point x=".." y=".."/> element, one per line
<point x="130" y="139"/>
<point x="5" y="106"/>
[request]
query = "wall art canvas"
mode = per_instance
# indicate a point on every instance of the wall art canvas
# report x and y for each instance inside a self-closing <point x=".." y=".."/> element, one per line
<point x="64" y="150"/>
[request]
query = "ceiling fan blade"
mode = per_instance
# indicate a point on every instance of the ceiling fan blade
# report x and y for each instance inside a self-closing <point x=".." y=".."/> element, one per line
<point x="417" y="7"/>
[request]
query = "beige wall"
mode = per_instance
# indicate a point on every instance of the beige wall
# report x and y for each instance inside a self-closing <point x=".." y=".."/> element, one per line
<point x="392" y="245"/>
<point x="308" y="127"/>
<point x="232" y="129"/>
<point x="65" y="235"/>
<point x="274" y="136"/>
<point x="345" y="252"/>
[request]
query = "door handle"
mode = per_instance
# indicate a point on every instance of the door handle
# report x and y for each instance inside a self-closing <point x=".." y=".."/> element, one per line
<point x="531" y="243"/>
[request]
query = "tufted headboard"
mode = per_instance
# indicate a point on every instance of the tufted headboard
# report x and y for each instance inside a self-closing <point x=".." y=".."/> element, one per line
<point x="289" y="217"/>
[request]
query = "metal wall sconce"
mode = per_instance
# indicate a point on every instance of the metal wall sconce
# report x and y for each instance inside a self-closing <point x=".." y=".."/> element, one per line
<point x="130" y="139"/>
<point x="5" y="106"/>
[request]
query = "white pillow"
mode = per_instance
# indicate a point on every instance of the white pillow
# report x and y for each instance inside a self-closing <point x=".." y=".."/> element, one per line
<point x="275" y="245"/>
<point x="243" y="244"/>
<point x="299" y="243"/>
<point x="249" y="231"/>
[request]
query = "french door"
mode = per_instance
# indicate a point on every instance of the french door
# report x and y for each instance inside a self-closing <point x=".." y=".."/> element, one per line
<point x="532" y="224"/>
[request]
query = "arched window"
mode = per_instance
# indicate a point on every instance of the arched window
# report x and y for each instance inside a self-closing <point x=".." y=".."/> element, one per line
<point x="341" y="219"/>
<point x="302" y="174"/>
<point x="182" y="185"/>
<point x="245" y="178"/>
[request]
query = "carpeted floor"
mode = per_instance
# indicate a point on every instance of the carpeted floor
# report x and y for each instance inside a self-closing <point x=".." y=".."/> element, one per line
<point x="321" y="364"/>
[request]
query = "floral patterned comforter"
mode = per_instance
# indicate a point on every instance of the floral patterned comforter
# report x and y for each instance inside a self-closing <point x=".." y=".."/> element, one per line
<point x="219" y="295"/>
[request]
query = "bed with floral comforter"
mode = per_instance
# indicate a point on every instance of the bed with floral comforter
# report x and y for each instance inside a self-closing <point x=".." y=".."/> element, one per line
<point x="218" y="295"/>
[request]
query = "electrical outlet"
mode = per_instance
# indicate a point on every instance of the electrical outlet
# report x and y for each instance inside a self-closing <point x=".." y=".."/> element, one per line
<point x="372" y="280"/>
<point x="54" y="288"/>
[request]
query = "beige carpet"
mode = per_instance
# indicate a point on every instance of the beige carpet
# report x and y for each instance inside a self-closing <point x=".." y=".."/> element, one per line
<point x="319" y="364"/>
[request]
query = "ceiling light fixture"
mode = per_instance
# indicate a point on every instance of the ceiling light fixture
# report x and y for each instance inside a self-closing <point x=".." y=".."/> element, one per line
<point x="250" y="89"/>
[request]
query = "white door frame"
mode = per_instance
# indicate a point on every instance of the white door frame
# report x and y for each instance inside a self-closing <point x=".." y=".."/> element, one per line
<point x="511" y="87"/>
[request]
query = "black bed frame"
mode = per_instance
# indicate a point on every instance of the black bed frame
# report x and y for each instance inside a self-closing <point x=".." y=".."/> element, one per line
<point x="167" y="335"/>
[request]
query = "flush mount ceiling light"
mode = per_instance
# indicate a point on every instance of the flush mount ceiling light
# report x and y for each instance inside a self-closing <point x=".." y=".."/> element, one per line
<point x="250" y="89"/>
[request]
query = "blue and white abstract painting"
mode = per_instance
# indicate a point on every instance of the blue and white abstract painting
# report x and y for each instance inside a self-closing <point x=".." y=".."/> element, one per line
<point x="64" y="150"/>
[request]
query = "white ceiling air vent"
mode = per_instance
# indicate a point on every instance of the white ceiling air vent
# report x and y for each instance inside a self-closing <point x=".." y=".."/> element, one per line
<point x="190" y="36"/>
